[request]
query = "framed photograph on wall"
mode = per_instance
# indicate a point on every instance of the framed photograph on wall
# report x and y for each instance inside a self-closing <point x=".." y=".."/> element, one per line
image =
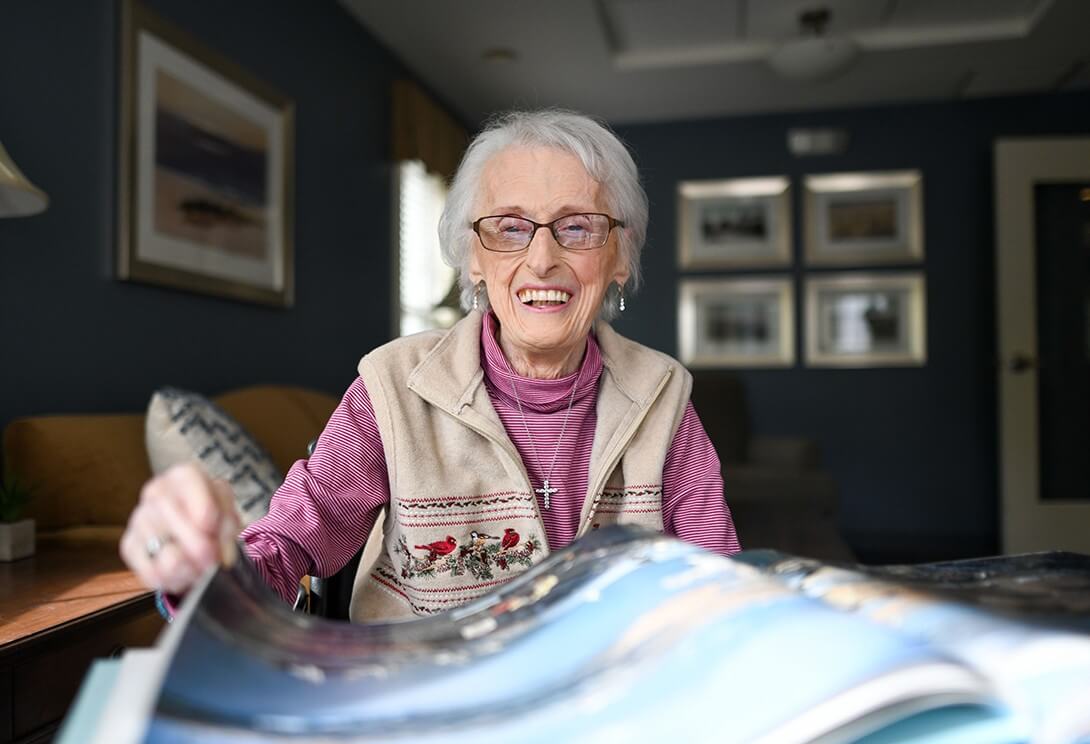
<point x="866" y="320"/>
<point x="864" y="218"/>
<point x="739" y="222"/>
<point x="205" y="172"/>
<point x="737" y="322"/>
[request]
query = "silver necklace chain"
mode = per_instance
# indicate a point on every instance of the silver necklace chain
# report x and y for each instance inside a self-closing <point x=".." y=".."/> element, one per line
<point x="545" y="489"/>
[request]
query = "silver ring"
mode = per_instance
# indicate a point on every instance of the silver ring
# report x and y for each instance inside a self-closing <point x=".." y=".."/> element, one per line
<point x="155" y="545"/>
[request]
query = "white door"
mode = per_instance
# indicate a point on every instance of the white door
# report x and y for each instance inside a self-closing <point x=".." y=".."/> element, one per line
<point x="1042" y="258"/>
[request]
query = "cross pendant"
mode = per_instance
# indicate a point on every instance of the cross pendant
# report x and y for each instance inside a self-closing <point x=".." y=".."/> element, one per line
<point x="546" y="492"/>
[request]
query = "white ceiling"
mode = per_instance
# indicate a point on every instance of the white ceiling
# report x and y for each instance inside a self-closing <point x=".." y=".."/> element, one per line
<point x="654" y="60"/>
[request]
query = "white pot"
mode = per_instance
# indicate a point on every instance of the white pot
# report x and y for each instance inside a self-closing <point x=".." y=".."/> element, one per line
<point x="16" y="539"/>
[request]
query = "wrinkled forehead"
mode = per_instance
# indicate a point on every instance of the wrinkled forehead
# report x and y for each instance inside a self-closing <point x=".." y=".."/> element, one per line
<point x="537" y="182"/>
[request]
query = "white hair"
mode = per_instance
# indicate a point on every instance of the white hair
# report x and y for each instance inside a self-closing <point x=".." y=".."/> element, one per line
<point x="603" y="155"/>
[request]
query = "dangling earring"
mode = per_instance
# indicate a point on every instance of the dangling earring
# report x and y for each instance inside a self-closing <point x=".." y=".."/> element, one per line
<point x="476" y="296"/>
<point x="620" y="297"/>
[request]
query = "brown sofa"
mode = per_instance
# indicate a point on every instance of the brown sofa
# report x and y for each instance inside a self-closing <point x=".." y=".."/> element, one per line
<point x="86" y="471"/>
<point x="778" y="495"/>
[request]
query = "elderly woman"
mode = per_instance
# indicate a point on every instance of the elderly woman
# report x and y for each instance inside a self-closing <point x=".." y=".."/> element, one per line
<point x="521" y="428"/>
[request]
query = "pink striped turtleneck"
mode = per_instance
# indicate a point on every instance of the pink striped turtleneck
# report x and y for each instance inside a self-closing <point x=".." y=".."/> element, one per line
<point x="329" y="503"/>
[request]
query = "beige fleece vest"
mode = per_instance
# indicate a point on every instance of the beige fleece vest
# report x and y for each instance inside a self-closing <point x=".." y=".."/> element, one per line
<point x="463" y="518"/>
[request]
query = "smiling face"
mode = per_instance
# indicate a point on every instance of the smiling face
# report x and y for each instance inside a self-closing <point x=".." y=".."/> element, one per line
<point x="546" y="297"/>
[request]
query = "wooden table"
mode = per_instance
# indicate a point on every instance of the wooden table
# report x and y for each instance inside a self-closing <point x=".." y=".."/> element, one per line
<point x="72" y="602"/>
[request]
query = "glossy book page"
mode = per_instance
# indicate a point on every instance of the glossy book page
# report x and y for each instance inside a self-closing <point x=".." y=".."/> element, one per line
<point x="1023" y="620"/>
<point x="624" y="635"/>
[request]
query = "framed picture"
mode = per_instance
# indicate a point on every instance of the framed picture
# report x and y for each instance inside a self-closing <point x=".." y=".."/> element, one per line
<point x="864" y="218"/>
<point x="205" y="172"/>
<point x="866" y="320"/>
<point x="741" y="222"/>
<point x="737" y="322"/>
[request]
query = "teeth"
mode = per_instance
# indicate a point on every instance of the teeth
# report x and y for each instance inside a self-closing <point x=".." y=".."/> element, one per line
<point x="543" y="295"/>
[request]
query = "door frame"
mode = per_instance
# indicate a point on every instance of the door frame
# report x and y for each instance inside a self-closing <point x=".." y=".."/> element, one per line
<point x="1028" y="524"/>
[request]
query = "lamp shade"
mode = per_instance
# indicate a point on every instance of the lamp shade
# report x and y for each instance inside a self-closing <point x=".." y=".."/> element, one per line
<point x="814" y="57"/>
<point x="18" y="196"/>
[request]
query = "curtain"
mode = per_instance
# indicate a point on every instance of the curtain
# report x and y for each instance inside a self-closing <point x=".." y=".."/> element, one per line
<point x="423" y="130"/>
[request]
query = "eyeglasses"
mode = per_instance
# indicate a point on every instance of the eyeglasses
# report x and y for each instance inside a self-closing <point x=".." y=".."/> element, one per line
<point x="576" y="232"/>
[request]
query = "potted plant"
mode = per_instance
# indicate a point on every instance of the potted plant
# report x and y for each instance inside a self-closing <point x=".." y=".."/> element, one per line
<point x="16" y="535"/>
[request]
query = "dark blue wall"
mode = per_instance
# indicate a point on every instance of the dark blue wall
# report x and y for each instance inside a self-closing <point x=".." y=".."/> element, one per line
<point x="913" y="450"/>
<point x="76" y="339"/>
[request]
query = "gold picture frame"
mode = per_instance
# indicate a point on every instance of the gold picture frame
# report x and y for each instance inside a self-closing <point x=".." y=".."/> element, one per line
<point x="866" y="320"/>
<point x="734" y="223"/>
<point x="864" y="218"/>
<point x="746" y="322"/>
<point x="205" y="197"/>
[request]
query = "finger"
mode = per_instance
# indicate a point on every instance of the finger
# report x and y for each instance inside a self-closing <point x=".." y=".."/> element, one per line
<point x="135" y="556"/>
<point x="225" y="497"/>
<point x="210" y="506"/>
<point x="176" y="572"/>
<point x="202" y="548"/>
<point x="157" y="572"/>
<point x="231" y="523"/>
<point x="169" y="567"/>
<point x="200" y="502"/>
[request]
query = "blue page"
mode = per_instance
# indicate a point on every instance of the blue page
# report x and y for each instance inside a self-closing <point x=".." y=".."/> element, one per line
<point x="623" y="635"/>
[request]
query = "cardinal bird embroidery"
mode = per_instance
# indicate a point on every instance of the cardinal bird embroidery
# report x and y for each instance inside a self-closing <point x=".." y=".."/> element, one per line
<point x="510" y="539"/>
<point x="438" y="548"/>
<point x="478" y="555"/>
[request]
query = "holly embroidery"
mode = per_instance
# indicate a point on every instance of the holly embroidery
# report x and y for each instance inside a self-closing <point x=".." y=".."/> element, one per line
<point x="478" y="556"/>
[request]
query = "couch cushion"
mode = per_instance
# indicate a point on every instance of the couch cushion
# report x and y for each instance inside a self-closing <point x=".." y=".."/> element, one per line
<point x="84" y="470"/>
<point x="183" y="426"/>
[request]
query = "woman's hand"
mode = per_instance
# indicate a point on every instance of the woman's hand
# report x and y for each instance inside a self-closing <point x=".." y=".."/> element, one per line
<point x="184" y="524"/>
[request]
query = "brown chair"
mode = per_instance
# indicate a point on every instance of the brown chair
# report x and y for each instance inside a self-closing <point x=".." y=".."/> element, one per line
<point x="777" y="492"/>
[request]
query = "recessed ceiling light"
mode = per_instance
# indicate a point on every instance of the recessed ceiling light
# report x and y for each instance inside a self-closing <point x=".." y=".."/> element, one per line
<point x="499" y="55"/>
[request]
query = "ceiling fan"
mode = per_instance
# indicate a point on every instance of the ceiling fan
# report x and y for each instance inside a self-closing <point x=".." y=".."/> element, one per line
<point x="814" y="55"/>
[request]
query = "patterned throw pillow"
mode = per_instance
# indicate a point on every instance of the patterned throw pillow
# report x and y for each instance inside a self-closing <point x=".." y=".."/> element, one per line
<point x="183" y="426"/>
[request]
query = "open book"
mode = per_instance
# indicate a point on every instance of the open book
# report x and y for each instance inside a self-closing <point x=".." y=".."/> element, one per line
<point x="628" y="636"/>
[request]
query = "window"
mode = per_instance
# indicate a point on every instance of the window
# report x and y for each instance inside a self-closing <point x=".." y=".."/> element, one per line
<point x="427" y="287"/>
